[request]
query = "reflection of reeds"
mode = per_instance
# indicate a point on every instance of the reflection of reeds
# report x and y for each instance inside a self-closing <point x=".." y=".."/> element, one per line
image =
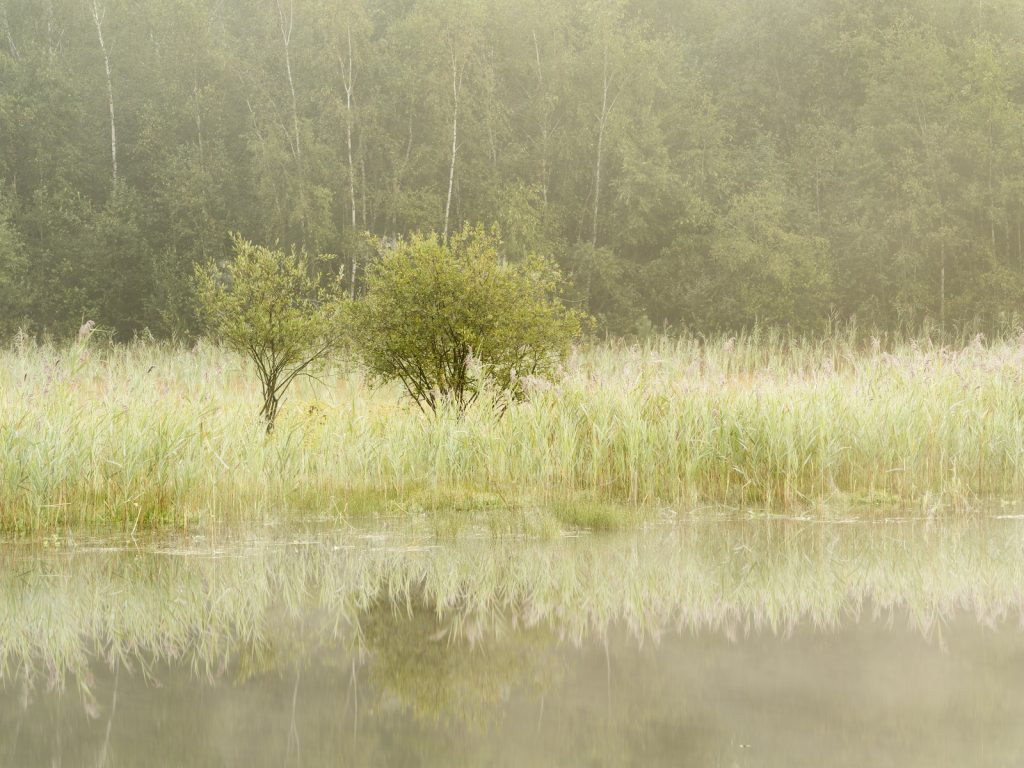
<point x="247" y="607"/>
<point x="145" y="434"/>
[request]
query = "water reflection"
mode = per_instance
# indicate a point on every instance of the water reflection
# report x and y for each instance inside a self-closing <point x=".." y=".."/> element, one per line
<point x="706" y="643"/>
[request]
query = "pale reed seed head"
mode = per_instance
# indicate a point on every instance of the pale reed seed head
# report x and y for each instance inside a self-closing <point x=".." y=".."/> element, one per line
<point x="86" y="331"/>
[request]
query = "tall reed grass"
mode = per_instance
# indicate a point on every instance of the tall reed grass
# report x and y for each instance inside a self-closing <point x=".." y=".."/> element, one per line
<point x="145" y="434"/>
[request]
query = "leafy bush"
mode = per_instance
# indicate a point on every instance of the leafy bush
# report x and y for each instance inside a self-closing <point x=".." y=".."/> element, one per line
<point x="266" y="305"/>
<point x="449" y="319"/>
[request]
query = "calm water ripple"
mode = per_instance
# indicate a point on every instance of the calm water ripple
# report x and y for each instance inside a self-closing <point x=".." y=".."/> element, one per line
<point x="719" y="642"/>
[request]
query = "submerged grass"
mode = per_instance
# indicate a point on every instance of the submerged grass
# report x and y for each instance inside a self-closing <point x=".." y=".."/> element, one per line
<point x="144" y="435"/>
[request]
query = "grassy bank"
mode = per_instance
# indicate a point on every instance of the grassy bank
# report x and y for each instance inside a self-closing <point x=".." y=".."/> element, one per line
<point x="145" y="434"/>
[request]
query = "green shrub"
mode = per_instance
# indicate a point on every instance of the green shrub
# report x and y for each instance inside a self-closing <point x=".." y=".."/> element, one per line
<point x="449" y="319"/>
<point x="265" y="304"/>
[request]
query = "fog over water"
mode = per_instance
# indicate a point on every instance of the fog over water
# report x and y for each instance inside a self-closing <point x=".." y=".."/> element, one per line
<point x="753" y="642"/>
<point x="530" y="383"/>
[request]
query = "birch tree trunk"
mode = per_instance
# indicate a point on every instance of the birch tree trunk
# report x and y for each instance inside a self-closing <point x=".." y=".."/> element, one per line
<point x="99" y="12"/>
<point x="602" y="123"/>
<point x="200" y="144"/>
<point x="197" y="105"/>
<point x="347" y="73"/>
<point x="349" y="83"/>
<point x="456" y="88"/>
<point x="544" y="128"/>
<point x="362" y="186"/>
<point x="286" y="22"/>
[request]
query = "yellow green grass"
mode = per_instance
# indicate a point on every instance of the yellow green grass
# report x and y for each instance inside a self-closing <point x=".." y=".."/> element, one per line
<point x="146" y="434"/>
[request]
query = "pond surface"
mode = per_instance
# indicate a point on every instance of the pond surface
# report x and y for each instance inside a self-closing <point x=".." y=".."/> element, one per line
<point x="718" y="642"/>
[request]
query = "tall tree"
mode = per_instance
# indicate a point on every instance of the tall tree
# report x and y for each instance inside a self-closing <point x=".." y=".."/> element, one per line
<point x="98" y="8"/>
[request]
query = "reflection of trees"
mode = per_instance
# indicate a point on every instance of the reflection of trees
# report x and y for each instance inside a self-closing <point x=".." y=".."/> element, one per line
<point x="244" y="609"/>
<point x="452" y="667"/>
<point x="388" y="647"/>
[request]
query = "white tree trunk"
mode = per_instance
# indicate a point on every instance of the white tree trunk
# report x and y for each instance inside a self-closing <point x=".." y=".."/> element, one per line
<point x="98" y="14"/>
<point x="544" y="128"/>
<point x="286" y="22"/>
<point x="456" y="87"/>
<point x="347" y="73"/>
<point x="362" y="187"/>
<point x="601" y="124"/>
<point x="199" y="122"/>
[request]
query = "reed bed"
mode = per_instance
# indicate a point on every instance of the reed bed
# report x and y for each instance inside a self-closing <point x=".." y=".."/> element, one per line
<point x="147" y="434"/>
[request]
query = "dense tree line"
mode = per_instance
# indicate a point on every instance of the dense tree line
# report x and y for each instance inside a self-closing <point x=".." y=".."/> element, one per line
<point x="701" y="164"/>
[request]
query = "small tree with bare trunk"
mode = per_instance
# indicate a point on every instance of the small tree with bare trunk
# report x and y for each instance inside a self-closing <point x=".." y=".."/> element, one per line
<point x="266" y="305"/>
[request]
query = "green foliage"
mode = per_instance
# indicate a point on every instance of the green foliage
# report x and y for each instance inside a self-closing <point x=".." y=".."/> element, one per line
<point x="449" y="319"/>
<point x="13" y="271"/>
<point x="265" y="304"/>
<point x="759" y="269"/>
<point x="693" y="164"/>
<point x="604" y="285"/>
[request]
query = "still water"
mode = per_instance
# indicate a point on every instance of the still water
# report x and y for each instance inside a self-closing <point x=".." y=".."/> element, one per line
<point x="706" y="643"/>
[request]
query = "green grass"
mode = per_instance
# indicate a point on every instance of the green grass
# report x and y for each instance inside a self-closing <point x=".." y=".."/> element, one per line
<point x="146" y="435"/>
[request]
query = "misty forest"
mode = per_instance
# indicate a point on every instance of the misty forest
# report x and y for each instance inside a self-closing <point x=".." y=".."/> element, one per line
<point x="692" y="165"/>
<point x="515" y="383"/>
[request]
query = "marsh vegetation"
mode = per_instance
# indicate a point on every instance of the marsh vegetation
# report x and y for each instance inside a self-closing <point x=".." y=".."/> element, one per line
<point x="511" y="383"/>
<point x="148" y="434"/>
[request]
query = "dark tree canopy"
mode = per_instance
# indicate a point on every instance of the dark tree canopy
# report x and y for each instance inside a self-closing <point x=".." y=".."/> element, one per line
<point x="696" y="164"/>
